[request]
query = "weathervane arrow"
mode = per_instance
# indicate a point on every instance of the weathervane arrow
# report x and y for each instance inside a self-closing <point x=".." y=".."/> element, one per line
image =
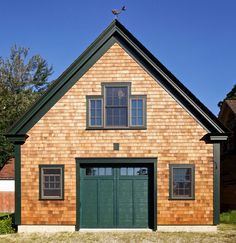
<point x="116" y="12"/>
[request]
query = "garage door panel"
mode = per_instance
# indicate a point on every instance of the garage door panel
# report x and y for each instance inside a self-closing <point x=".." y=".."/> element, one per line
<point x="89" y="202"/>
<point x="106" y="203"/>
<point x="124" y="203"/>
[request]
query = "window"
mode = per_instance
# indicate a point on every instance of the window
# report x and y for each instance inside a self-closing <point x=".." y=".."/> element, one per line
<point x="133" y="171"/>
<point x="51" y="181"/>
<point x="116" y="108"/>
<point x="182" y="181"/>
<point x="95" y="111"/>
<point x="98" y="171"/>
<point x="137" y="111"/>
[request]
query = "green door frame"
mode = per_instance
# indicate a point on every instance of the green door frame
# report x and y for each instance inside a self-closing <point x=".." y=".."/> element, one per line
<point x="151" y="161"/>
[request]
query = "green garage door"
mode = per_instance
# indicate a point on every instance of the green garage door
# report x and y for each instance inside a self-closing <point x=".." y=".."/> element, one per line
<point x="114" y="197"/>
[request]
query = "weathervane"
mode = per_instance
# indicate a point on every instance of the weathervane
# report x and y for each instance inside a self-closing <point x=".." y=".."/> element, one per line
<point x="116" y="12"/>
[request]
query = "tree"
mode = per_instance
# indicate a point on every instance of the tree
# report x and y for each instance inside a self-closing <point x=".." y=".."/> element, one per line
<point x="22" y="80"/>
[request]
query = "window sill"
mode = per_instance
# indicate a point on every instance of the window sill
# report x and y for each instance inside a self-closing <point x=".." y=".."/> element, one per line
<point x="191" y="198"/>
<point x="51" y="199"/>
<point x="116" y="128"/>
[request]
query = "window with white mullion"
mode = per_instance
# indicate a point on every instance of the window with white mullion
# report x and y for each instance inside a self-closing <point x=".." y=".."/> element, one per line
<point x="137" y="111"/>
<point x="116" y="108"/>
<point x="95" y="111"/>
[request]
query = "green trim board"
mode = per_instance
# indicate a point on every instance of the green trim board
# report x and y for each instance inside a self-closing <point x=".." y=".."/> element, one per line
<point x="117" y="33"/>
<point x="42" y="166"/>
<point x="115" y="162"/>
<point x="216" y="183"/>
<point x="17" y="150"/>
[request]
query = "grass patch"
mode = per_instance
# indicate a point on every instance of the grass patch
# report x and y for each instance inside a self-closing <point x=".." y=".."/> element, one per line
<point x="6" y="224"/>
<point x="228" y="217"/>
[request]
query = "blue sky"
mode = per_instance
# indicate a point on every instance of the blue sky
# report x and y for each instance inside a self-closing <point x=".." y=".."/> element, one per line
<point x="195" y="40"/>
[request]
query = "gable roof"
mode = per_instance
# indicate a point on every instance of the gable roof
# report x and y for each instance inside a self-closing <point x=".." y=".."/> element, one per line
<point x="117" y="33"/>
<point x="7" y="172"/>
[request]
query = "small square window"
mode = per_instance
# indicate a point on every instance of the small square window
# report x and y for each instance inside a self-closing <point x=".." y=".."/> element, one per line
<point x="181" y="181"/>
<point x="51" y="181"/>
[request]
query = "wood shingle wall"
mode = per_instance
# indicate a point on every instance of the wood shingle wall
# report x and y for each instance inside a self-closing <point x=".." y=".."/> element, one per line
<point x="172" y="136"/>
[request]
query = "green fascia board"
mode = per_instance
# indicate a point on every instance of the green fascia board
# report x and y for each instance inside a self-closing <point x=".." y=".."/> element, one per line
<point x="117" y="33"/>
<point x="17" y="138"/>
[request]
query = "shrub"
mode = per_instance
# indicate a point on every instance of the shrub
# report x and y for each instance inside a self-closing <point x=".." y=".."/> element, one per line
<point x="6" y="225"/>
<point x="228" y="217"/>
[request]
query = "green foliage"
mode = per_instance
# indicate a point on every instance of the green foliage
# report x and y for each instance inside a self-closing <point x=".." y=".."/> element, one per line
<point x="228" y="217"/>
<point x="6" y="225"/>
<point x="22" y="81"/>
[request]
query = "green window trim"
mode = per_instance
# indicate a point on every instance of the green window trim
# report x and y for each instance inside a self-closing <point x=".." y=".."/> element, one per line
<point x="171" y="174"/>
<point x="102" y="97"/>
<point x="42" y="181"/>
<point x="144" y="115"/>
<point x="90" y="98"/>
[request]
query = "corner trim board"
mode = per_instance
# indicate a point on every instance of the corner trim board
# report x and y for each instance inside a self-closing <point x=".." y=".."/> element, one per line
<point x="17" y="148"/>
<point x="216" y="183"/>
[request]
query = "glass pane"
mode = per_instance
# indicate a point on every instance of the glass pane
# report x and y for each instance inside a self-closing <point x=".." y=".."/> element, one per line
<point x="92" y="112"/>
<point x="182" y="181"/>
<point x="92" y="171"/>
<point x="92" y="122"/>
<point x="101" y="171"/>
<point x="123" y="171"/>
<point x="99" y="121"/>
<point x="140" y="104"/>
<point x="134" y="121"/>
<point x="143" y="171"/>
<point x="95" y="112"/>
<point x="134" y="104"/>
<point x="140" y="113"/>
<point x="52" y="178"/>
<point x="108" y="171"/>
<point x="57" y="185"/>
<point x="116" y="117"/>
<point x="136" y="171"/>
<point x="98" y="104"/>
<point x="116" y="96"/>
<point x="92" y="104"/>
<point x="130" y="171"/>
<point x="46" y="185"/>
<point x="137" y="112"/>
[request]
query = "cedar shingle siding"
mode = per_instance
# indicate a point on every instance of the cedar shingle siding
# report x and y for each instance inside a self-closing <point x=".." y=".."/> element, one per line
<point x="172" y="135"/>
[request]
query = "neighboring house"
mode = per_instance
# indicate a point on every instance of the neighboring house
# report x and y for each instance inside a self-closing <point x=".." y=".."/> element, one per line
<point x="117" y="142"/>
<point x="7" y="187"/>
<point x="227" y="116"/>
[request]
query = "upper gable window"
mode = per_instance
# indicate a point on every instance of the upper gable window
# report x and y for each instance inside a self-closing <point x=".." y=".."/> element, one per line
<point x="116" y="108"/>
